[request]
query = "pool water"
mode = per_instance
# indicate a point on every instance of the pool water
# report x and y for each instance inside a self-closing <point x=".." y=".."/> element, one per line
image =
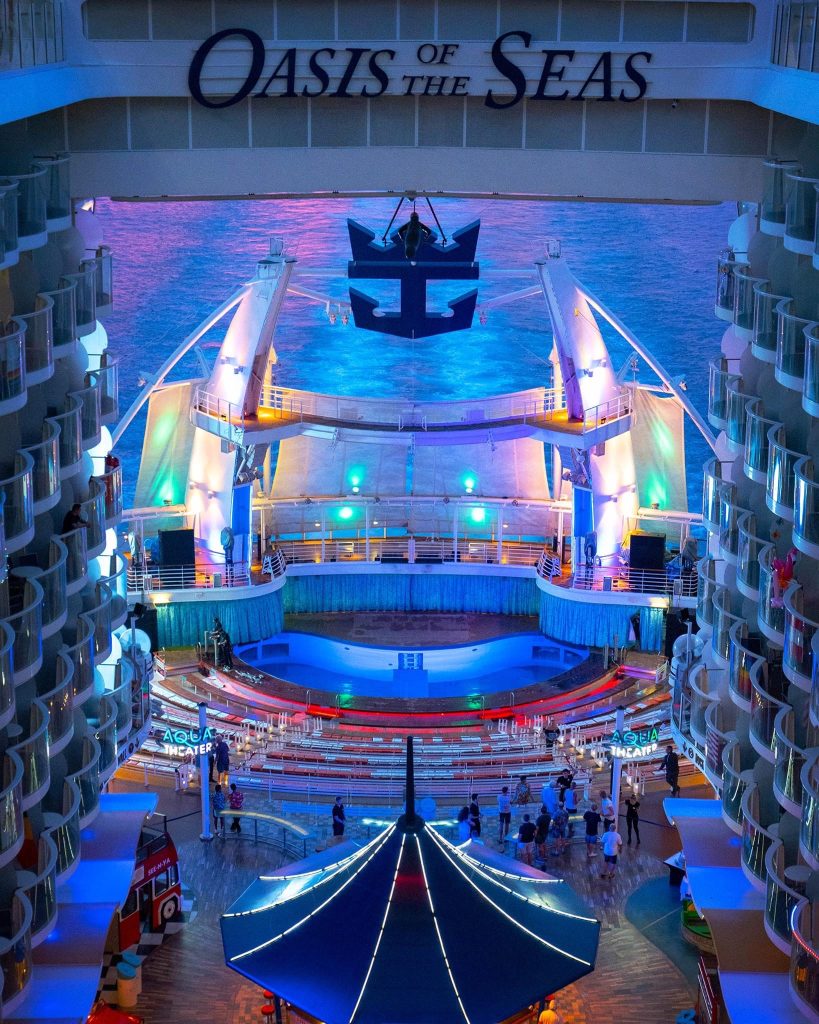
<point x="467" y="670"/>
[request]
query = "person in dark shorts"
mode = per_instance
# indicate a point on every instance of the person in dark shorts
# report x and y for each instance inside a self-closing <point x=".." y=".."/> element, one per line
<point x="504" y="814"/>
<point x="592" y="819"/>
<point x="542" y="824"/>
<point x="612" y="845"/>
<point x="526" y="840"/>
<point x="339" y="817"/>
<point x="475" y="817"/>
<point x="671" y="763"/>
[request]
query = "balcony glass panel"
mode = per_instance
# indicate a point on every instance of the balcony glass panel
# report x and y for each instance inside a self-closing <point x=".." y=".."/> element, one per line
<point x="15" y="946"/>
<point x="38" y="336"/>
<point x="58" y="699"/>
<point x="781" y="483"/>
<point x="57" y="187"/>
<point x="61" y="818"/>
<point x="105" y="733"/>
<point x="766" y="321"/>
<point x="764" y="708"/>
<point x="41" y="892"/>
<point x="706" y="588"/>
<point x="804" y="967"/>
<point x="81" y="652"/>
<point x="90" y="421"/>
<point x="799" y="632"/>
<point x="106" y="378"/>
<point x="741" y="659"/>
<point x="724" y="619"/>
<point x="774" y="191"/>
<point x="771" y="597"/>
<point x="6" y="670"/>
<point x="33" y="752"/>
<point x="713" y="488"/>
<point x="25" y="600"/>
<point x="77" y="560"/>
<point x="806" y="503"/>
<point x="809" y="830"/>
<point x="18" y="499"/>
<point x="53" y="580"/>
<point x="103" y="267"/>
<point x="727" y="266"/>
<point x="93" y="512"/>
<point x="45" y="474"/>
<point x="728" y="525"/>
<point x="780" y="898"/>
<point x="737" y="418"/>
<point x="99" y="614"/>
<point x="12" y="362"/>
<point x="70" y="440"/>
<point x="788" y="758"/>
<point x="718" y="377"/>
<point x="111" y="484"/>
<point x="8" y="219"/>
<point x="64" y="314"/>
<point x="86" y="298"/>
<point x="755" y="845"/>
<point x="810" y="384"/>
<point x="87" y="778"/>
<point x="31" y="204"/>
<point x="790" y="342"/>
<point x="11" y="808"/>
<point x="744" y="286"/>
<point x="800" y="207"/>
<point x="749" y="547"/>
<point x="733" y="790"/>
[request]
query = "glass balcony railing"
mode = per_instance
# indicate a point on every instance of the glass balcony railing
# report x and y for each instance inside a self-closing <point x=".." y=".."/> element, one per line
<point x="81" y="653"/>
<point x="718" y="377"/>
<point x="713" y="488"/>
<point x="45" y="474"/>
<point x="816" y="238"/>
<point x="7" y="697"/>
<point x="61" y="818"/>
<point x="806" y="508"/>
<point x="76" y="566"/>
<point x="756" y="840"/>
<point x="117" y="583"/>
<point x="743" y="654"/>
<point x="727" y="268"/>
<point x="86" y="299"/>
<point x="11" y="808"/>
<point x="809" y="829"/>
<point x="32" y="222"/>
<point x="771" y="598"/>
<point x="774" y="195"/>
<point x="63" y="318"/>
<point x="766" y="323"/>
<point x="106" y="379"/>
<point x="103" y="721"/>
<point x="33" y="751"/>
<point x="93" y="512"/>
<point x="12" y="367"/>
<point x="701" y="700"/>
<point x="744" y="285"/>
<point x="790" y="346"/>
<point x="717" y="726"/>
<point x="104" y="276"/>
<point x="90" y="416"/>
<point x="58" y="191"/>
<point x="98" y="612"/>
<point x="70" y="440"/>
<point x="706" y="588"/>
<point x="24" y="600"/>
<point x="38" y="340"/>
<point x="56" y="695"/>
<point x="780" y="897"/>
<point x="800" y="629"/>
<point x="766" y="691"/>
<point x="15" y="947"/>
<point x="9" y="245"/>
<point x="122" y="696"/>
<point x="749" y="547"/>
<point x="724" y="619"/>
<point x="800" y="213"/>
<point x="40" y="889"/>
<point x="729" y="527"/>
<point x="734" y="783"/>
<point x="737" y="419"/>
<point x="781" y="480"/>
<point x="810" y="384"/>
<point x="18" y="503"/>
<point x="756" y="442"/>
<point x="111" y="483"/>
<point x="804" y="966"/>
<point x="54" y="581"/>
<point x="87" y="780"/>
<point x="789" y="760"/>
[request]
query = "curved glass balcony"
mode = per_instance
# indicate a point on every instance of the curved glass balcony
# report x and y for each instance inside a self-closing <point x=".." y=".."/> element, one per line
<point x="809" y="828"/>
<point x="701" y="700"/>
<point x="45" y="475"/>
<point x="54" y="582"/>
<point x="76" y="566"/>
<point x="800" y="213"/>
<point x="104" y="724"/>
<point x="122" y="696"/>
<point x="744" y="653"/>
<point x="766" y="703"/>
<point x="737" y="421"/>
<point x="749" y="547"/>
<point x="816" y="239"/>
<point x="93" y="512"/>
<point x="11" y="808"/>
<point x="718" y="377"/>
<point x="24" y="599"/>
<point x="32" y="224"/>
<point x="85" y="298"/>
<point x="800" y="629"/>
<point x="61" y="818"/>
<point x="771" y="613"/>
<point x="744" y="285"/>
<point x="789" y="759"/>
<point x="7" y="697"/>
<point x="727" y="267"/>
<point x="106" y="379"/>
<point x="13" y="394"/>
<point x="70" y="440"/>
<point x="713" y="488"/>
<point x="804" y="966"/>
<point x="40" y="889"/>
<point x="117" y="583"/>
<point x="780" y="898"/>
<point x="706" y="588"/>
<point x="9" y="245"/>
<point x="774" y="195"/>
<point x="729" y="527"/>
<point x="90" y="421"/>
<point x="104" y="277"/>
<point x="734" y="783"/>
<point x="790" y="346"/>
<point x="87" y="780"/>
<point x="56" y="695"/>
<point x="756" y="840"/>
<point x="716" y="728"/>
<point x="15" y="947"/>
<point x="98" y="613"/>
<point x="810" y="385"/>
<point x="806" y="508"/>
<point x="111" y="483"/>
<point x="63" y="318"/>
<point x="766" y="323"/>
<point x="38" y="341"/>
<point x="33" y="751"/>
<point x="781" y="480"/>
<point x="724" y="619"/>
<point x="18" y="503"/>
<point x="58" y="191"/>
<point x="81" y="653"/>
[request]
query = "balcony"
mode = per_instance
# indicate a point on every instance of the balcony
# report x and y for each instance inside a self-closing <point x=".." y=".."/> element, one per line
<point x="61" y="820"/>
<point x="756" y="839"/>
<point x="724" y="620"/>
<point x="104" y="277"/>
<point x="806" y="508"/>
<point x="729" y="517"/>
<point x="87" y="780"/>
<point x="790" y="346"/>
<point x="90" y="420"/>
<point x="11" y="809"/>
<point x="719" y="377"/>
<point x="804" y="967"/>
<point x="58" y="191"/>
<point x="734" y="784"/>
<point x="117" y="583"/>
<point x="789" y="761"/>
<point x="103" y="722"/>
<point x="768" y="688"/>
<point x="15" y="950"/>
<point x="781" y="480"/>
<point x="97" y="610"/>
<point x="701" y="700"/>
<point x="766" y="323"/>
<point x="744" y="302"/>
<point x="727" y="268"/>
<point x="9" y="246"/>
<point x="32" y="222"/>
<point x="111" y="483"/>
<point x="39" y="340"/>
<point x="122" y="696"/>
<point x="13" y="393"/>
<point x="21" y="601"/>
<point x="18" y="503"/>
<point x="745" y="652"/>
<point x="55" y="688"/>
<point x="809" y="828"/>
<point x="713" y="488"/>
<point x="70" y="440"/>
<point x="92" y="511"/>
<point x="7" y="695"/>
<point x="810" y="385"/>
<point x="757" y="445"/>
<point x="774" y="195"/>
<point x="737" y="421"/>
<point x="749" y="547"/>
<point x="106" y="378"/>
<point x="34" y="754"/>
<point x="40" y="889"/>
<point x="718" y="724"/>
<point x="45" y="476"/>
<point x="76" y="566"/>
<point x="800" y="629"/>
<point x="771" y="613"/>
<point x="85" y="296"/>
<point x="706" y="588"/>
<point x="54" y="580"/>
<point x="80" y="649"/>
<point x="780" y="896"/>
<point x="800" y="213"/>
<point x="63" y="318"/>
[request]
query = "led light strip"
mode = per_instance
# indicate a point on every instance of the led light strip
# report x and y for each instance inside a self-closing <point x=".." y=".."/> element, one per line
<point x="320" y="907"/>
<point x="332" y="871"/>
<point x="438" y="933"/>
<point x="381" y="933"/>
<point x="500" y="910"/>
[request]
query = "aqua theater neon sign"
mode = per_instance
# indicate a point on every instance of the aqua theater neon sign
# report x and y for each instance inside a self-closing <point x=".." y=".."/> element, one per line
<point x="180" y="742"/>
<point x="631" y="743"/>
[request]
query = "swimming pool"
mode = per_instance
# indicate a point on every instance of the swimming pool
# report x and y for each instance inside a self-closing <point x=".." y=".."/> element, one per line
<point x="507" y="663"/>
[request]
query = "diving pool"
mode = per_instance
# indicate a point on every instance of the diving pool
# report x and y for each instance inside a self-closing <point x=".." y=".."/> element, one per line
<point x="466" y="670"/>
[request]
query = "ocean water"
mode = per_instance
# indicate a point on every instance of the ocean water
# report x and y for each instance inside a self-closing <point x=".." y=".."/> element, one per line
<point x="654" y="266"/>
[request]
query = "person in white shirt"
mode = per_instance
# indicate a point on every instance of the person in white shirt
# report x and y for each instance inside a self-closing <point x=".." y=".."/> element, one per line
<point x="504" y="814"/>
<point x="612" y="845"/>
<point x="606" y="809"/>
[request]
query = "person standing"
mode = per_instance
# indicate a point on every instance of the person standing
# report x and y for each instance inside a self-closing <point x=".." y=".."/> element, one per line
<point x="526" y="840"/>
<point x="592" y="819"/>
<point x="475" y="817"/>
<point x="222" y="761"/>
<point x="504" y="814"/>
<point x="606" y="809"/>
<point x="560" y="829"/>
<point x="633" y="817"/>
<point x="564" y="781"/>
<point x="671" y="763"/>
<point x="542" y="824"/>
<point x="236" y="799"/>
<point x="612" y="845"/>
<point x="463" y="825"/>
<point x="523" y="793"/>
<point x="218" y="805"/>
<point x="339" y="817"/>
<point x="549" y="1015"/>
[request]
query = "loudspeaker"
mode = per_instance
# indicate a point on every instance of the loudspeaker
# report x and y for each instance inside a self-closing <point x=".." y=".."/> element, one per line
<point x="647" y="551"/>
<point x="148" y="624"/>
<point x="177" y="547"/>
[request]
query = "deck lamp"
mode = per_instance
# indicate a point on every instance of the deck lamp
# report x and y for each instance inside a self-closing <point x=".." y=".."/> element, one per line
<point x="345" y="513"/>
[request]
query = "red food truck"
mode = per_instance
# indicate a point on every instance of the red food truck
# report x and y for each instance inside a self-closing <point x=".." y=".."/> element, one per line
<point x="155" y="896"/>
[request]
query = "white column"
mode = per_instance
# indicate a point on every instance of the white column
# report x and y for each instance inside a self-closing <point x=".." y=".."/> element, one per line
<point x="455" y="532"/>
<point x="560" y="535"/>
<point x="323" y="531"/>
<point x="501" y="512"/>
<point x="205" y="835"/>
<point x="617" y="767"/>
<point x="366" y="533"/>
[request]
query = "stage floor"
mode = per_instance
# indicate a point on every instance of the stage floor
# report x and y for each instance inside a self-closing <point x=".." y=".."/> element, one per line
<point x="411" y="629"/>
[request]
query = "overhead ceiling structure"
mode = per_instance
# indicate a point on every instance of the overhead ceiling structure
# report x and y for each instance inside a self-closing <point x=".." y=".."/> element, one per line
<point x="410" y="929"/>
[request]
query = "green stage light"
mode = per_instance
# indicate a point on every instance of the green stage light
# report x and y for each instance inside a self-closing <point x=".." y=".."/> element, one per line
<point x="478" y="515"/>
<point x="345" y="513"/>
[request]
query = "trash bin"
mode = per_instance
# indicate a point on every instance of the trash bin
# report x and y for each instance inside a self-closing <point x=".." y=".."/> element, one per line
<point x="132" y="960"/>
<point x="127" y="987"/>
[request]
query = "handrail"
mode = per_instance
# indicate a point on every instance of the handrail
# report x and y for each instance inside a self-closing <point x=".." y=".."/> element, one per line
<point x="620" y="579"/>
